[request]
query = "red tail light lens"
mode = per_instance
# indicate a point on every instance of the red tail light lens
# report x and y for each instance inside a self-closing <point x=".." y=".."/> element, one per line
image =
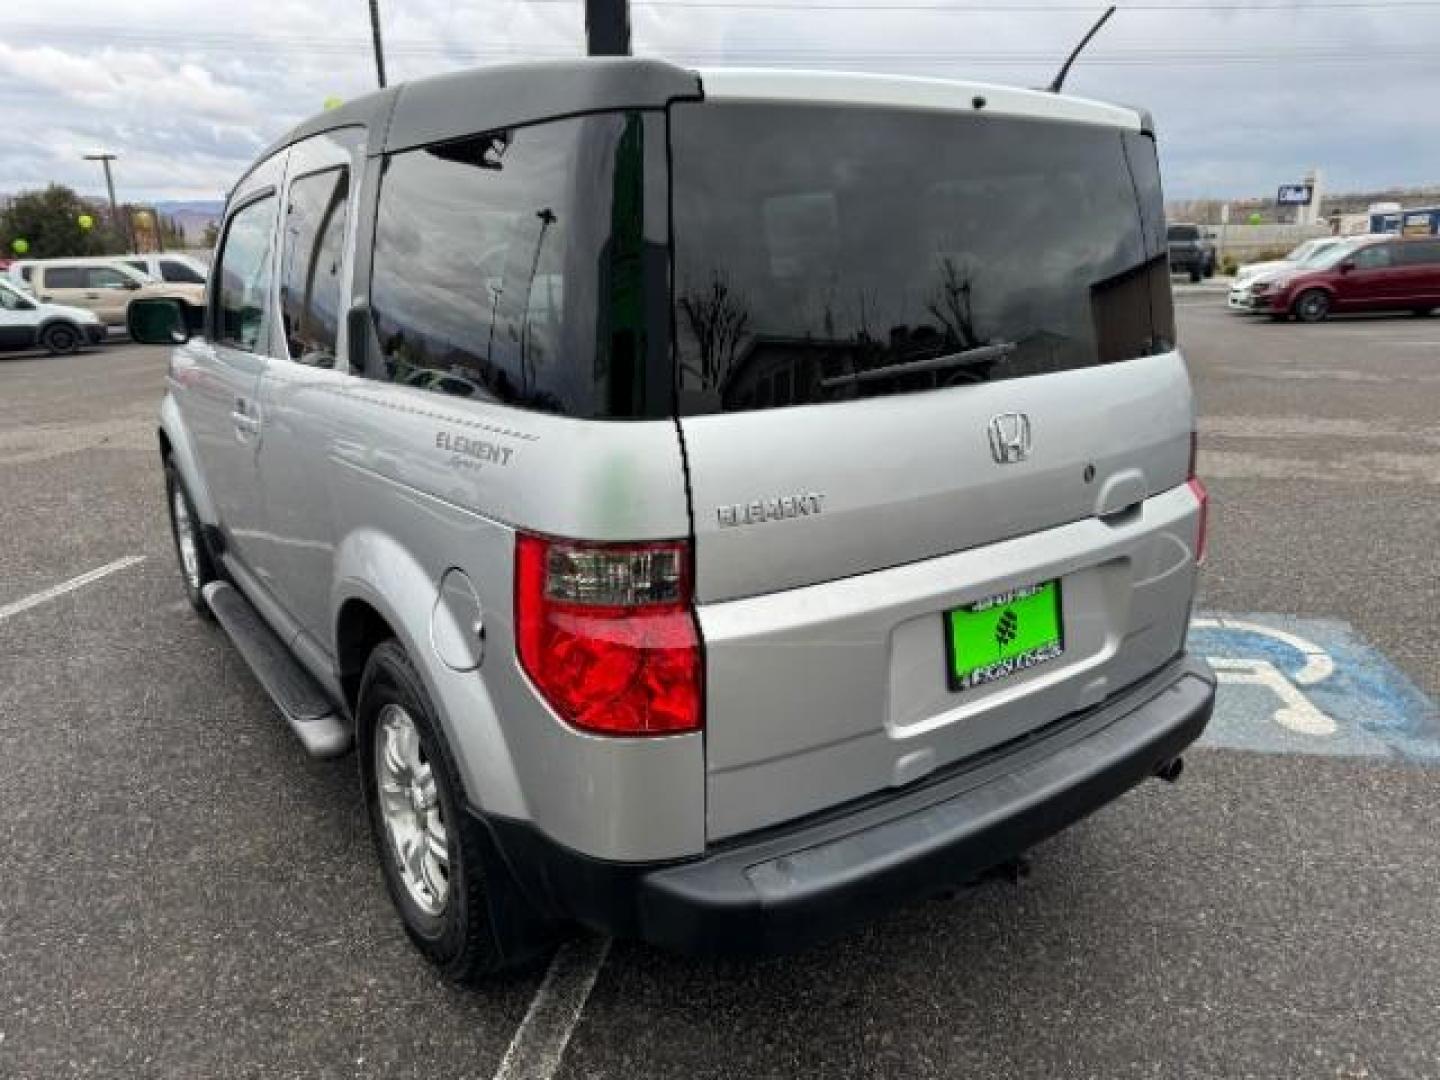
<point x="1203" y="498"/>
<point x="607" y="633"/>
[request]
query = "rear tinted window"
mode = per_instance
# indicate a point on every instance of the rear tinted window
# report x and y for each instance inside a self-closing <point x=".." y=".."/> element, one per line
<point x="1420" y="253"/>
<point x="1184" y="232"/>
<point x="528" y="266"/>
<point x="826" y="253"/>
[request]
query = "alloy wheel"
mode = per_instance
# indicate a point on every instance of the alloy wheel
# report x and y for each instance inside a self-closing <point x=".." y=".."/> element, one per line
<point x="410" y="807"/>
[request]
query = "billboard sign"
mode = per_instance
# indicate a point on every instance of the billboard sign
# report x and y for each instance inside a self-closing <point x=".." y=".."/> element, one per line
<point x="1295" y="194"/>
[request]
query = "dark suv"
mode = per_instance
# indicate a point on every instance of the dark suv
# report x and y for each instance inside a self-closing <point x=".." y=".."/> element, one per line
<point x="1191" y="251"/>
<point x="1384" y="275"/>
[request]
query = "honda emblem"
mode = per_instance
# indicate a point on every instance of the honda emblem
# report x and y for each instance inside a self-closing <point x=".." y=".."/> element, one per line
<point x="1009" y="437"/>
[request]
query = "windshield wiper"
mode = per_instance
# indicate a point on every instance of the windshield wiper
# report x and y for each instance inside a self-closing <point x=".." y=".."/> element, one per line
<point x="997" y="351"/>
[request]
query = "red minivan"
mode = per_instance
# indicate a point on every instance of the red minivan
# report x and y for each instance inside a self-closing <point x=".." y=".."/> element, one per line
<point x="1381" y="275"/>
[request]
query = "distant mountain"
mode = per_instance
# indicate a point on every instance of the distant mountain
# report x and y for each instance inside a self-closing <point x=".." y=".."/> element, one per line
<point x="213" y="207"/>
<point x="192" y="215"/>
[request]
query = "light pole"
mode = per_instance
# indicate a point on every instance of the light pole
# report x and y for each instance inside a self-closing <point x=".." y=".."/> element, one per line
<point x="105" y="159"/>
<point x="547" y="218"/>
<point x="375" y="35"/>
<point x="607" y="27"/>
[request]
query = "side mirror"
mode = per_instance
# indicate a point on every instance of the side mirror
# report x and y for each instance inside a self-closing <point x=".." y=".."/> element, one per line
<point x="161" y="321"/>
<point x="1347" y="266"/>
<point x="21" y="304"/>
<point x="129" y="286"/>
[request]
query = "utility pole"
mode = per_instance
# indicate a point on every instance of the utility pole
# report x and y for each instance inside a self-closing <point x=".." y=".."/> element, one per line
<point x="105" y="159"/>
<point x="607" y="27"/>
<point x="379" y="47"/>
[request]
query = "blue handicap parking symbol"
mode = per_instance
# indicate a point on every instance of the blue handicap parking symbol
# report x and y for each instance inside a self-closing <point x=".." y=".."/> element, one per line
<point x="1290" y="685"/>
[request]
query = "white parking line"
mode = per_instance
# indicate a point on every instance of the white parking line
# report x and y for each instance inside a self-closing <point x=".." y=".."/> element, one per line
<point x="539" y="1044"/>
<point x="36" y="599"/>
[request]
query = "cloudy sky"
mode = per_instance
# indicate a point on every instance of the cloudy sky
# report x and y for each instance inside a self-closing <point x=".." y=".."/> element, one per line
<point x="1246" y="95"/>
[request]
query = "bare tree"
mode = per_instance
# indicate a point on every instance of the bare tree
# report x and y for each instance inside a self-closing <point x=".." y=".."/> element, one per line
<point x="718" y="321"/>
<point x="951" y="305"/>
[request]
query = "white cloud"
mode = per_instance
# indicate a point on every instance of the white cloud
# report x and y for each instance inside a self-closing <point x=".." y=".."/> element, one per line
<point x="186" y="93"/>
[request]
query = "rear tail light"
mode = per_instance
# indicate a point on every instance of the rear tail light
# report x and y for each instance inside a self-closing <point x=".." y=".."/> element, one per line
<point x="607" y="633"/>
<point x="1202" y="496"/>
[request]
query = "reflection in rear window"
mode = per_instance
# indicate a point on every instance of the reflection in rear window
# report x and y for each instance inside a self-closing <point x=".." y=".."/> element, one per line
<point x="825" y="253"/>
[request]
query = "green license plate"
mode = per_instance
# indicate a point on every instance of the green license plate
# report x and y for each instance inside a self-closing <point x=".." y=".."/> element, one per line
<point x="997" y="637"/>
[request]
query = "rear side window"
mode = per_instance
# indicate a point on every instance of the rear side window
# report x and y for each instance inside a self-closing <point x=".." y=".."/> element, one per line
<point x="25" y="272"/>
<point x="528" y="266"/>
<point x="65" y="277"/>
<point x="310" y="293"/>
<point x="1420" y="253"/>
<point x="180" y="273"/>
<point x="242" y="304"/>
<point x="827" y="253"/>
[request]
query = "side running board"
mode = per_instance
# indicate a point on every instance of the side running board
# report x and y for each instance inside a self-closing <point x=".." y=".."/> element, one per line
<point x="300" y="699"/>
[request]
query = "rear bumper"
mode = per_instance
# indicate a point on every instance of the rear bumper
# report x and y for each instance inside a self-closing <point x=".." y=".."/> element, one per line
<point x="788" y="887"/>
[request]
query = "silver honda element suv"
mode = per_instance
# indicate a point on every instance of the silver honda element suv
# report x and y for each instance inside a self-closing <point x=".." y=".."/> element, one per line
<point x="716" y="506"/>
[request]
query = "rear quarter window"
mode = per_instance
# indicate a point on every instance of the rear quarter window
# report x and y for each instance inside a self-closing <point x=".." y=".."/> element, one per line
<point x="528" y="266"/>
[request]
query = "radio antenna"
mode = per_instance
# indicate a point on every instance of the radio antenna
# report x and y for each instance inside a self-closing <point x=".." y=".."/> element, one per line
<point x="1065" y="70"/>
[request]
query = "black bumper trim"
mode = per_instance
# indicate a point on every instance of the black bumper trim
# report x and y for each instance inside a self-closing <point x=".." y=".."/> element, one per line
<point x="788" y="887"/>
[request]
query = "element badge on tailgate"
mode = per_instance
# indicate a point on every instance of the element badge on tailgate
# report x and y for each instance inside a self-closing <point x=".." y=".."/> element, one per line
<point x="779" y="508"/>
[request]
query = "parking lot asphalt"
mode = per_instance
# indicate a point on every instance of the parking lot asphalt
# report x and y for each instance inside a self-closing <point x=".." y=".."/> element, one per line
<point x="184" y="894"/>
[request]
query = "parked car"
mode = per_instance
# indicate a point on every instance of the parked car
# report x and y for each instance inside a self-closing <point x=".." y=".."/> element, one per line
<point x="172" y="267"/>
<point x="1324" y="252"/>
<point x="26" y="323"/>
<point x="1374" y="275"/>
<point x="1301" y="253"/>
<point x="872" y="576"/>
<point x="102" y="285"/>
<point x="1191" y="250"/>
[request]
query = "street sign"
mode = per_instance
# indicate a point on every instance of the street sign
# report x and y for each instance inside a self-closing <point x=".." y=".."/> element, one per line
<point x="1295" y="194"/>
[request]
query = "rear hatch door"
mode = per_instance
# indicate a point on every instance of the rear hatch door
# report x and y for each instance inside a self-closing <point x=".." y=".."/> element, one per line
<point x="903" y="336"/>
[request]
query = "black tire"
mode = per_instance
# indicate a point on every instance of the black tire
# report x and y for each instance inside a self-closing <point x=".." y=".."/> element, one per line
<point x="1311" y="306"/>
<point x="1421" y="312"/>
<point x="61" y="339"/>
<point x="1194" y="274"/>
<point x="1210" y="268"/>
<point x="204" y="569"/>
<point x="485" y="925"/>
